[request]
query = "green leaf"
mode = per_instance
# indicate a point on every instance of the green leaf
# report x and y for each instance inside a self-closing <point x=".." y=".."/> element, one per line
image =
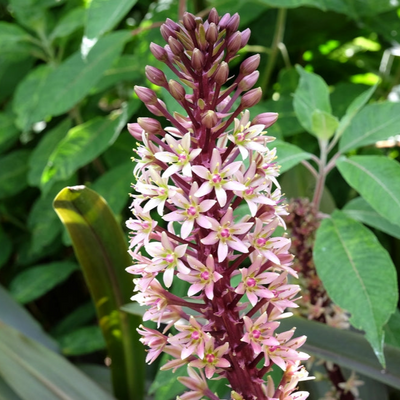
<point x="361" y="211"/>
<point x="28" y="96"/>
<point x="99" y="374"/>
<point x="41" y="153"/>
<point x="126" y="68"/>
<point x="38" y="280"/>
<point x="101" y="249"/>
<point x="346" y="256"/>
<point x="289" y="155"/>
<point x="76" y="319"/>
<point x="15" y="315"/>
<point x="73" y="79"/>
<point x="34" y="372"/>
<point x="83" y="144"/>
<point x="347" y="349"/>
<point x="13" y="169"/>
<point x="14" y="42"/>
<point x="354" y="108"/>
<point x="102" y="16"/>
<point x="8" y="132"/>
<point x="323" y="124"/>
<point x="312" y="94"/>
<point x="373" y="123"/>
<point x="69" y="23"/>
<point x="392" y="330"/>
<point x="6" y="247"/>
<point x="84" y="340"/>
<point x="114" y="186"/>
<point x="377" y="179"/>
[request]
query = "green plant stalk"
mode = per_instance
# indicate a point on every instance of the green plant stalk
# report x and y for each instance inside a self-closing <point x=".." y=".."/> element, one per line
<point x="278" y="37"/>
<point x="319" y="189"/>
<point x="101" y="249"/>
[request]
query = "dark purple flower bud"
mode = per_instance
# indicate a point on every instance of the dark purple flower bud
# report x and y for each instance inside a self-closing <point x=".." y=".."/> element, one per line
<point x="212" y="33"/>
<point x="249" y="81"/>
<point x="147" y="95"/>
<point x="135" y="130"/>
<point x="251" y="98"/>
<point x="233" y="23"/>
<point x="221" y="76"/>
<point x="172" y="25"/>
<point x="156" y="76"/>
<point x="224" y="21"/>
<point x="175" y="46"/>
<point x="167" y="32"/>
<point x="189" y="22"/>
<point x="213" y="17"/>
<point x="197" y="60"/>
<point x="159" y="52"/>
<point x="177" y="90"/>
<point x="150" y="125"/>
<point x="245" y="37"/>
<point x="234" y="43"/>
<point x="209" y="119"/>
<point x="267" y="119"/>
<point x="249" y="65"/>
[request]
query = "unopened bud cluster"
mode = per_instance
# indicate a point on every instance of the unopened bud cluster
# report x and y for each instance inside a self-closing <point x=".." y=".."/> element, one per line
<point x="198" y="175"/>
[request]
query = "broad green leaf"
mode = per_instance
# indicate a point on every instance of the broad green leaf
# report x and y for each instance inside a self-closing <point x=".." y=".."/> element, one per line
<point x="392" y="330"/>
<point x="346" y="256"/>
<point x="73" y="79"/>
<point x="14" y="42"/>
<point x="83" y="144"/>
<point x="18" y="317"/>
<point x="101" y="249"/>
<point x="377" y="179"/>
<point x="289" y="155"/>
<point x="346" y="348"/>
<point x="114" y="186"/>
<point x="34" y="372"/>
<point x="69" y="23"/>
<point x="6" y="247"/>
<point x="8" y="132"/>
<point x="34" y="282"/>
<point x="28" y="96"/>
<point x="311" y="94"/>
<point x="103" y="15"/>
<point x="361" y="211"/>
<point x="84" y="340"/>
<point x="354" y="108"/>
<point x="323" y="124"/>
<point x="41" y="153"/>
<point x="13" y="170"/>
<point x="79" y="317"/>
<point x="373" y="123"/>
<point x="126" y="68"/>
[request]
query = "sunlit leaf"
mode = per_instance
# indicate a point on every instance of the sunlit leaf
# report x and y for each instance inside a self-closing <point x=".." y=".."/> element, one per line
<point x="377" y="179"/>
<point x="346" y="256"/>
<point x="323" y="124"/>
<point x="289" y="155"/>
<point x="101" y="249"/>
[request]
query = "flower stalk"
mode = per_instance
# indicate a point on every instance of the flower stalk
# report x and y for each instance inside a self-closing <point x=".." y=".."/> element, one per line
<point x="197" y="175"/>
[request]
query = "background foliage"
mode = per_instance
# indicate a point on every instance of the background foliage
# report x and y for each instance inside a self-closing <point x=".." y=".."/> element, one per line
<point x="67" y="70"/>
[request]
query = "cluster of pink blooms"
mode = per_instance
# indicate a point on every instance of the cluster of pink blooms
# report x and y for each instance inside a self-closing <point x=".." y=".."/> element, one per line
<point x="197" y="175"/>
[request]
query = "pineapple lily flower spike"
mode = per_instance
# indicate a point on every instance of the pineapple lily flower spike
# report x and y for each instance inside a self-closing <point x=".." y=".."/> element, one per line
<point x="196" y="174"/>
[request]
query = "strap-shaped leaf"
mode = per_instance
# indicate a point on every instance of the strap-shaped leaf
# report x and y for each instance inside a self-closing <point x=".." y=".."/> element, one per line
<point x="358" y="274"/>
<point x="35" y="372"/>
<point x="101" y="249"/>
